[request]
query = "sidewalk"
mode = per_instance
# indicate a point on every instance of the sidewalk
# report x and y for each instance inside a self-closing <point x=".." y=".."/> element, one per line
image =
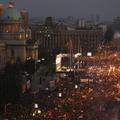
<point x="35" y="85"/>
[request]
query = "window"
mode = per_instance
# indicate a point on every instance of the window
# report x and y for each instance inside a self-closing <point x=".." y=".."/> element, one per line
<point x="12" y="53"/>
<point x="20" y="36"/>
<point x="26" y="35"/>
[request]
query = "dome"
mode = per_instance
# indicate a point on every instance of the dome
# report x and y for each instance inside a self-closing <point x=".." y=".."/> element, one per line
<point x="11" y="13"/>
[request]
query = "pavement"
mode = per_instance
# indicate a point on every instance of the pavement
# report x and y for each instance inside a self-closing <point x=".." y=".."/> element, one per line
<point x="35" y="85"/>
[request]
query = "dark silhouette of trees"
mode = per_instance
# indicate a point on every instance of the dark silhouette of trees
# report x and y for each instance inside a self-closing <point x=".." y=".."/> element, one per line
<point x="30" y="66"/>
<point x="108" y="35"/>
<point x="10" y="84"/>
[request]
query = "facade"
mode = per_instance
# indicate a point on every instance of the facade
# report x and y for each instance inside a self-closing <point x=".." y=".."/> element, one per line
<point x="15" y="38"/>
<point x="58" y="38"/>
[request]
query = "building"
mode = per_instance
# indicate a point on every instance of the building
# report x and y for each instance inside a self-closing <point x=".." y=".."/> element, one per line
<point x="15" y="37"/>
<point x="60" y="38"/>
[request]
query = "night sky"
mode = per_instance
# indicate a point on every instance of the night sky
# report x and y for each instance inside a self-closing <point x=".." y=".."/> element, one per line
<point x="107" y="9"/>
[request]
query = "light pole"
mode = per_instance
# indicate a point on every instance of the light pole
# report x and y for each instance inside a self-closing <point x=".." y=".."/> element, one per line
<point x="36" y="61"/>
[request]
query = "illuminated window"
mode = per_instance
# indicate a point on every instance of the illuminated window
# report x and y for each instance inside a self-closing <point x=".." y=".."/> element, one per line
<point x="20" y="36"/>
<point x="26" y="35"/>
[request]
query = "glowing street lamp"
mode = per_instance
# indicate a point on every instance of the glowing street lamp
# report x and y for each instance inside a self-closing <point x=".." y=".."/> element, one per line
<point x="38" y="61"/>
<point x="33" y="114"/>
<point x="76" y="86"/>
<point x="89" y="54"/>
<point x="39" y="111"/>
<point x="43" y="59"/>
<point x="60" y="94"/>
<point x="29" y="58"/>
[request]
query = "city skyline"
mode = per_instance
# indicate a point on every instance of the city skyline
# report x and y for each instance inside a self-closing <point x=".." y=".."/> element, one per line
<point x="63" y="8"/>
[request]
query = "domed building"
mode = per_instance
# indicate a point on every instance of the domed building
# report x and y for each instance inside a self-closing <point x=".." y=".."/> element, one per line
<point x="15" y="36"/>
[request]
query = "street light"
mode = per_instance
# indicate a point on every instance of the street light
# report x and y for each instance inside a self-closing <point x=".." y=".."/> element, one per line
<point x="39" y="111"/>
<point x="43" y="59"/>
<point x="36" y="61"/>
<point x="60" y="95"/>
<point x="29" y="58"/>
<point x="76" y="86"/>
<point x="33" y="114"/>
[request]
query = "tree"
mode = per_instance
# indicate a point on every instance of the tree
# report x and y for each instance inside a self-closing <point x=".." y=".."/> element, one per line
<point x="108" y="35"/>
<point x="30" y="66"/>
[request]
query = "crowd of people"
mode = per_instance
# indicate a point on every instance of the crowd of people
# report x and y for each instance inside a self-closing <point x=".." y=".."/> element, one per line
<point x="71" y="100"/>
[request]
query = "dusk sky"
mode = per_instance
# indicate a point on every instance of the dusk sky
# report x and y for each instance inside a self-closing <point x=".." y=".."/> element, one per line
<point x="107" y="9"/>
